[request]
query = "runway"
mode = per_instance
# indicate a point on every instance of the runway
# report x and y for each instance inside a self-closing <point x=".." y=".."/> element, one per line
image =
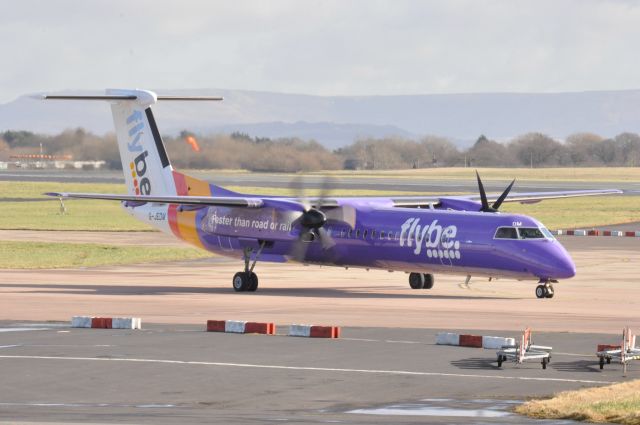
<point x="181" y="374"/>
<point x="392" y="184"/>
<point x="386" y="369"/>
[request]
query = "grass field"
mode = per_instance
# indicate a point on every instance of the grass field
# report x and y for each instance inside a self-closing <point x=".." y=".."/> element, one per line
<point x="36" y="255"/>
<point x="593" y="174"/>
<point x="81" y="215"/>
<point x="35" y="190"/>
<point x="619" y="403"/>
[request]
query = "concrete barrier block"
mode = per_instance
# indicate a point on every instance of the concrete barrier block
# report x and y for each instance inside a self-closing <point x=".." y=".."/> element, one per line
<point x="447" y="338"/>
<point x="101" y="322"/>
<point x="234" y="326"/>
<point x="300" y="330"/>
<point x="324" y="332"/>
<point x="474" y="341"/>
<point x="580" y="233"/>
<point x="497" y="342"/>
<point x="608" y="347"/>
<point x="81" y="322"/>
<point x="126" y="323"/>
<point x="260" y="328"/>
<point x="215" y="325"/>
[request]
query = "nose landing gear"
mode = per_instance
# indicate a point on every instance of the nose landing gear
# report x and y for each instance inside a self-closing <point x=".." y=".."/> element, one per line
<point x="545" y="290"/>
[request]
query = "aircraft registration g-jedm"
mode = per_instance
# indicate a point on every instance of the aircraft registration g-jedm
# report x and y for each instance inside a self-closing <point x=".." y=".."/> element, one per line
<point x="422" y="235"/>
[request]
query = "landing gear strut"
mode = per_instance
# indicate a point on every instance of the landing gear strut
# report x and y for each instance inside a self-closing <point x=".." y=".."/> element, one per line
<point x="247" y="280"/>
<point x="420" y="281"/>
<point x="545" y="290"/>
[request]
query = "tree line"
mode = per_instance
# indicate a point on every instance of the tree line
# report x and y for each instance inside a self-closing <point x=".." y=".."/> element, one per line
<point x="240" y="151"/>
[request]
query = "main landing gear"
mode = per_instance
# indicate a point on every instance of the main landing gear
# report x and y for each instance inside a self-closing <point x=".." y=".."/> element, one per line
<point x="247" y="280"/>
<point x="545" y="290"/>
<point x="420" y="281"/>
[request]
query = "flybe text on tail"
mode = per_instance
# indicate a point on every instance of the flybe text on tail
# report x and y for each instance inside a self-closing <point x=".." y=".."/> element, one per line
<point x="135" y="123"/>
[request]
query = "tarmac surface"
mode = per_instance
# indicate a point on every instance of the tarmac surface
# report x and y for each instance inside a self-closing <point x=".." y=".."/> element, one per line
<point x="385" y="369"/>
<point x="180" y="374"/>
<point x="393" y="184"/>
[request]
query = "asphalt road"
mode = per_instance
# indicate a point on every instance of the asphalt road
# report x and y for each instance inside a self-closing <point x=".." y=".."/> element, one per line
<point x="316" y="182"/>
<point x="181" y="374"/>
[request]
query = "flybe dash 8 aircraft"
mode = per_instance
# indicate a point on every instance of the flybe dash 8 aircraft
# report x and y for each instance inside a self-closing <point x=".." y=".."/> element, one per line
<point x="424" y="235"/>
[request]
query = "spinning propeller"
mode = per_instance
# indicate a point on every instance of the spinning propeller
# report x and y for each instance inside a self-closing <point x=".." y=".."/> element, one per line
<point x="483" y="196"/>
<point x="311" y="221"/>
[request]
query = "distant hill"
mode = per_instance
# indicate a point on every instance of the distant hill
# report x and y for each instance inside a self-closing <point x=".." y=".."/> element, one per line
<point x="338" y="120"/>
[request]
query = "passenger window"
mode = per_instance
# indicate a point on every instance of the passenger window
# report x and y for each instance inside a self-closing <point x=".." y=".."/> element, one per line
<point x="357" y="233"/>
<point x="506" y="233"/>
<point x="382" y="234"/>
<point x="373" y="234"/>
<point x="342" y="232"/>
<point x="364" y="234"/>
<point x="349" y="233"/>
<point x="531" y="233"/>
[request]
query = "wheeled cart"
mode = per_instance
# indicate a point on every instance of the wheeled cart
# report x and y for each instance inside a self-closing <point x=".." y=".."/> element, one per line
<point x="525" y="350"/>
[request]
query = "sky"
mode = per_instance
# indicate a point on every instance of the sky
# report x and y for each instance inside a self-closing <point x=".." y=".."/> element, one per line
<point x="320" y="47"/>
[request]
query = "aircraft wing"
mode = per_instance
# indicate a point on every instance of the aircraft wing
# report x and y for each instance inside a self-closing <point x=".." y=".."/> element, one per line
<point x="523" y="197"/>
<point x="533" y="197"/>
<point x="248" y="202"/>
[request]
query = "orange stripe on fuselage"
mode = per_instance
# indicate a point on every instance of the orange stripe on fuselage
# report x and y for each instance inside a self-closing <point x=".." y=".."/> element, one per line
<point x="183" y="223"/>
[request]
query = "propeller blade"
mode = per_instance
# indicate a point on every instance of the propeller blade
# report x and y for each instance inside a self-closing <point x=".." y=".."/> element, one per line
<point x="299" y="249"/>
<point x="297" y="187"/>
<point x="502" y="197"/>
<point x="483" y="194"/>
<point x="325" y="239"/>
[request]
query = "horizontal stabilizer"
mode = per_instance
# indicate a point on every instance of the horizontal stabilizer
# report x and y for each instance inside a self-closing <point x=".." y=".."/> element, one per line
<point x="127" y="97"/>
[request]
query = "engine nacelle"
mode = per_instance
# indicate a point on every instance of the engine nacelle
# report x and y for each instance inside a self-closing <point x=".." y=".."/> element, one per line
<point x="458" y="204"/>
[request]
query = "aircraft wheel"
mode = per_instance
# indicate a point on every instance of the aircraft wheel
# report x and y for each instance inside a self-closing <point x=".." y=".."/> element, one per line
<point x="416" y="280"/>
<point x="428" y="281"/>
<point x="241" y="281"/>
<point x="541" y="291"/>
<point x="253" y="280"/>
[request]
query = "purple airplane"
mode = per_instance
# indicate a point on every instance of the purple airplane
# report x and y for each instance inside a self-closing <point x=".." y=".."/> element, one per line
<point x="424" y="235"/>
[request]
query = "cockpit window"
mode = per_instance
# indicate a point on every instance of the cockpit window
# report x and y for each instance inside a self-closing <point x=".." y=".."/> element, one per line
<point x="547" y="233"/>
<point x="530" y="233"/>
<point x="523" y="233"/>
<point x="506" y="233"/>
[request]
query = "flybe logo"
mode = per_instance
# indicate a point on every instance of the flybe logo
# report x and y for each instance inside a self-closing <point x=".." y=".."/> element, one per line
<point x="438" y="241"/>
<point x="138" y="166"/>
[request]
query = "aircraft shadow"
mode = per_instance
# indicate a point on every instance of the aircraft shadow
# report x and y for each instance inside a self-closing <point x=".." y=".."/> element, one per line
<point x="330" y="292"/>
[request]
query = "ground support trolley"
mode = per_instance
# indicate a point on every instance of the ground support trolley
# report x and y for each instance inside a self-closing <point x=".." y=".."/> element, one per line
<point x="525" y="351"/>
<point x="623" y="354"/>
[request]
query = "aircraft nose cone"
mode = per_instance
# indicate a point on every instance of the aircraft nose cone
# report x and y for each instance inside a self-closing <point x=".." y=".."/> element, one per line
<point x="566" y="268"/>
<point x="563" y="266"/>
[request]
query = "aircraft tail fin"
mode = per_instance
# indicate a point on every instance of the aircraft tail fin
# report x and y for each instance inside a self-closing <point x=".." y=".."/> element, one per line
<point x="146" y="166"/>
